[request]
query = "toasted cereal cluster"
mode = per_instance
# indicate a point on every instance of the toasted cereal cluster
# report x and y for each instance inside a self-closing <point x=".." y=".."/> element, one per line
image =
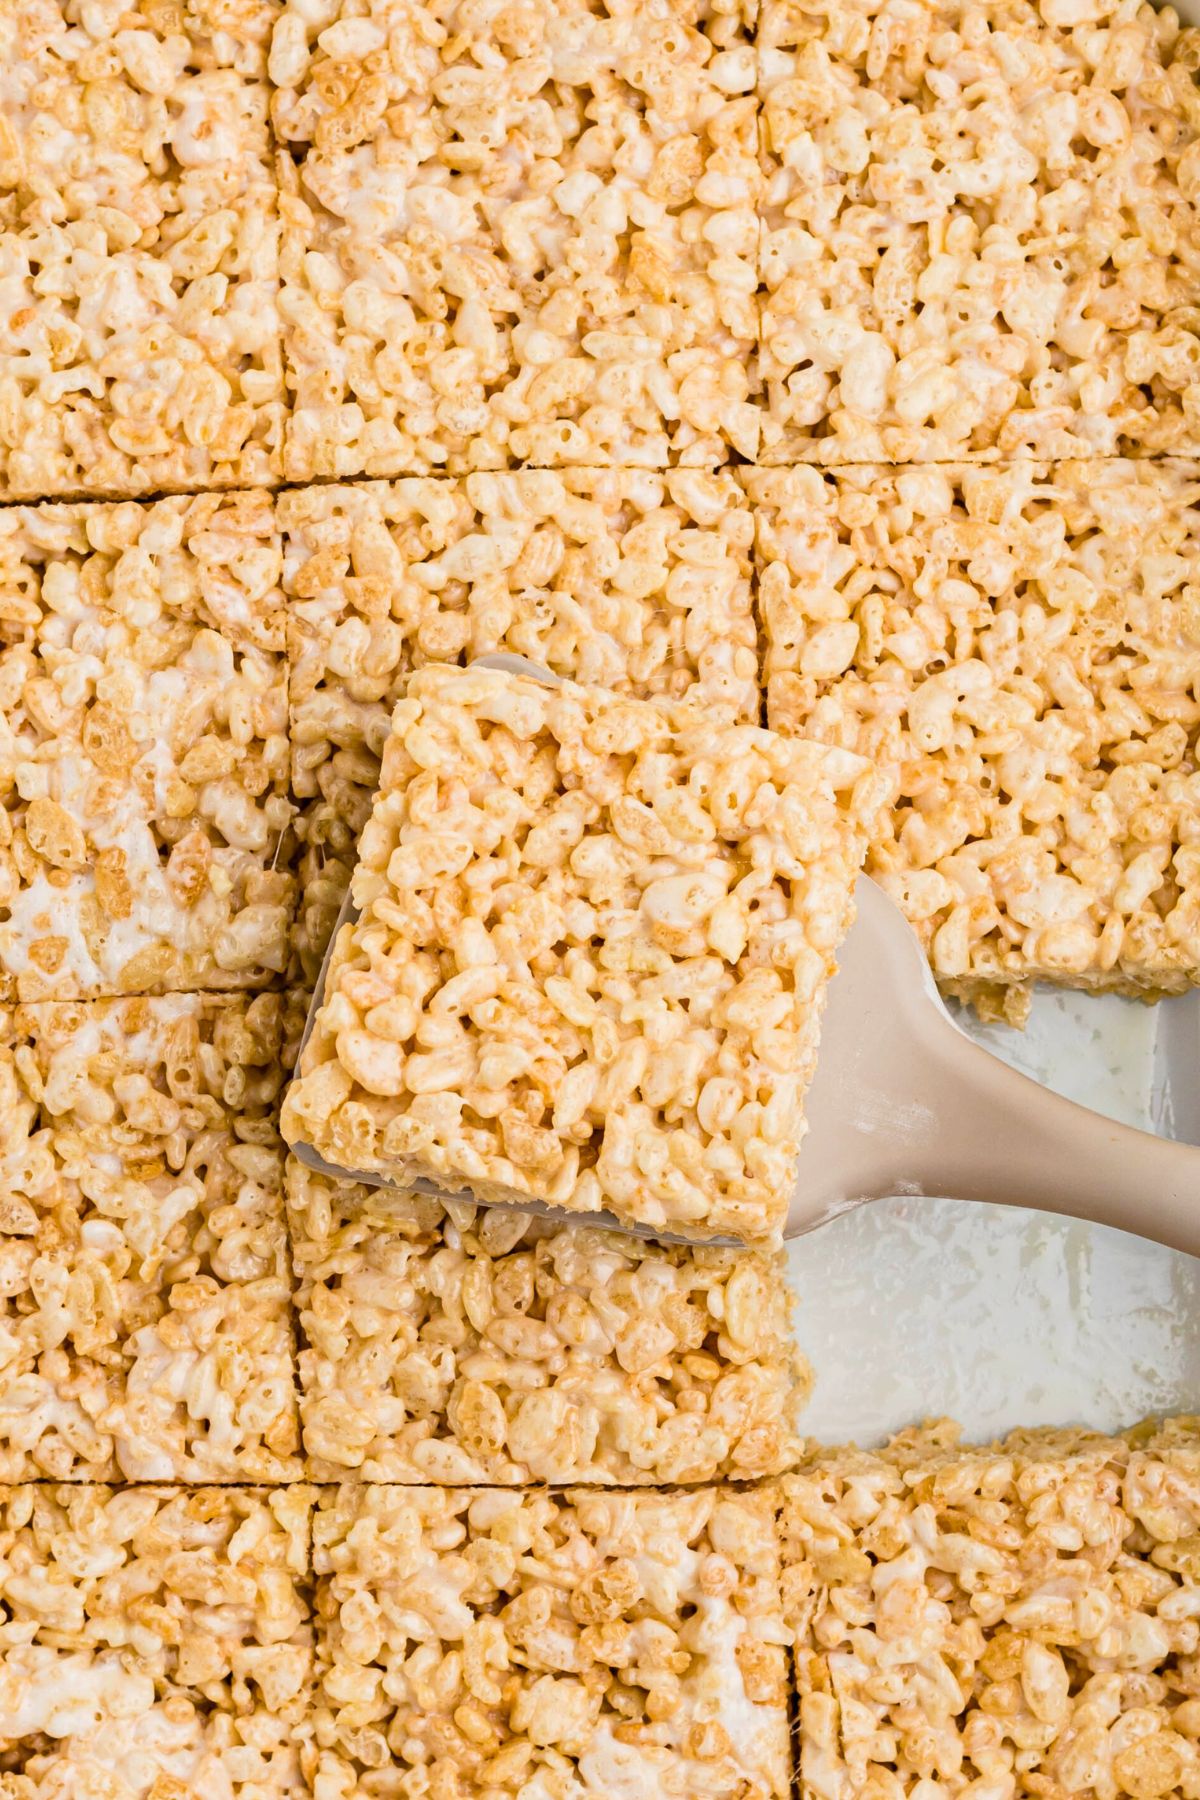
<point x="139" y="332"/>
<point x="154" y="1644"/>
<point x="491" y="1644"/>
<point x="1019" y="1621"/>
<point x="456" y="1344"/>
<point x="517" y="233"/>
<point x="144" y="1324"/>
<point x="143" y="748"/>
<point x="593" y="942"/>
<point x="981" y="232"/>
<point x="1019" y="646"/>
<point x="618" y="578"/>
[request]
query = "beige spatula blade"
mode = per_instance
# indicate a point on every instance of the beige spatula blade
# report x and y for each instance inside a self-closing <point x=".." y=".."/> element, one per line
<point x="904" y="1102"/>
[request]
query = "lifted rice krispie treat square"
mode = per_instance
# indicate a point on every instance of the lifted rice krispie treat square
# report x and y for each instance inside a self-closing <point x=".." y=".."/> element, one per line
<point x="139" y="331"/>
<point x="489" y="1644"/>
<point x="619" y="578"/>
<point x="455" y="1344"/>
<point x="517" y="233"/>
<point x="144" y="1323"/>
<point x="154" y="1644"/>
<point x="981" y="233"/>
<point x="593" y="942"/>
<point x="144" y="824"/>
<point x="1016" y="1621"/>
<point x="1019" y="647"/>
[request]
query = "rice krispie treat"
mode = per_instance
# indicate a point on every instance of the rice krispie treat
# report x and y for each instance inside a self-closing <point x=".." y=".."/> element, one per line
<point x="455" y="1344"/>
<point x="144" y="808"/>
<point x="981" y="232"/>
<point x="517" y="234"/>
<point x="619" y="578"/>
<point x="1014" y="1621"/>
<point x="154" y="1643"/>
<point x="139" y="332"/>
<point x="144" y="1290"/>
<point x="499" y="1644"/>
<point x="1019" y="646"/>
<point x="593" y="940"/>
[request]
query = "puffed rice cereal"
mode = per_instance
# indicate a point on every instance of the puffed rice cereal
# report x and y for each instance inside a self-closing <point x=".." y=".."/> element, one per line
<point x="981" y="233"/>
<point x="144" y="1295"/>
<point x="593" y="942"/>
<point x="618" y="578"/>
<point x="453" y="1344"/>
<point x="487" y="1644"/>
<point x="518" y="231"/>
<point x="1007" y="1622"/>
<point x="1019" y="646"/>
<point x="144" y="772"/>
<point x="139" y="331"/>
<point x="154" y="1644"/>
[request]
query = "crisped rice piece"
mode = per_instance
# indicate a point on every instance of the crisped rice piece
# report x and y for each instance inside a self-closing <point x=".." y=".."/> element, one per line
<point x="144" y="1323"/>
<point x="517" y="234"/>
<point x="155" y="1644"/>
<point x="620" y="578"/>
<point x="144" y="808"/>
<point x="532" y="1644"/>
<point x="1019" y="647"/>
<point x="591" y="953"/>
<point x="981" y="233"/>
<point x="139" y="330"/>
<point x="454" y="1344"/>
<point x="1019" y="1620"/>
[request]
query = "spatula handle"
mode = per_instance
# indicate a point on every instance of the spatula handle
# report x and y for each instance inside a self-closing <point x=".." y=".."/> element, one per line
<point x="995" y="1135"/>
<point x="905" y="1103"/>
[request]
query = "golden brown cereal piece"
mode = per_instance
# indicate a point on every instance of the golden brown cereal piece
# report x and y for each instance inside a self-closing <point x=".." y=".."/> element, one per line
<point x="608" y="1644"/>
<point x="144" y="808"/>
<point x="621" y="578"/>
<point x="156" y="1642"/>
<point x="139" y="248"/>
<point x="981" y="233"/>
<point x="1019" y="1619"/>
<point x="592" y="951"/>
<point x="144" y="1323"/>
<point x="1019" y="647"/>
<point x="517" y="235"/>
<point x="454" y="1344"/>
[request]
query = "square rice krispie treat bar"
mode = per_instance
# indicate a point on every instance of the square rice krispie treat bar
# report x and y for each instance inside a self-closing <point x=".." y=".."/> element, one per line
<point x="593" y="942"/>
<point x="499" y="1644"/>
<point x="144" y="808"/>
<point x="1014" y="1621"/>
<point x="517" y="233"/>
<point x="139" y="331"/>
<point x="981" y="233"/>
<point x="456" y="1344"/>
<point x="155" y="1644"/>
<point x="144" y="1290"/>
<point x="1019" y="646"/>
<point x="620" y="578"/>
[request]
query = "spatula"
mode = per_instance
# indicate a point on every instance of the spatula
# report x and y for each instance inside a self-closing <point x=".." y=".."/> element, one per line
<point x="904" y="1102"/>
